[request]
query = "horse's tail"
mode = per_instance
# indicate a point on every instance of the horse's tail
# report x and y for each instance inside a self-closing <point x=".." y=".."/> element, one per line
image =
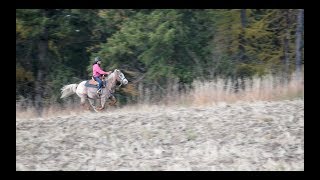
<point x="68" y="90"/>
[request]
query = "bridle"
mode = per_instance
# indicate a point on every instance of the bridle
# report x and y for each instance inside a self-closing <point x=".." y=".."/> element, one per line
<point x="122" y="78"/>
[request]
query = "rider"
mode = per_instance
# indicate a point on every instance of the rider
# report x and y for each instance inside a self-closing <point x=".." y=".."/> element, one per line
<point x="97" y="72"/>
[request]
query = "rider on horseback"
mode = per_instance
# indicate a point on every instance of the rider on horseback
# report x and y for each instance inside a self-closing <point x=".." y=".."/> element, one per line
<point x="97" y="72"/>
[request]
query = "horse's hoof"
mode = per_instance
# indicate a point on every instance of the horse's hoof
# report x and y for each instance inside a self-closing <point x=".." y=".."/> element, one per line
<point x="100" y="109"/>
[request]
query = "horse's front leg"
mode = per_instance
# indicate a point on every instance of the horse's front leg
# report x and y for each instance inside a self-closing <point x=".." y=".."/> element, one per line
<point x="102" y="102"/>
<point x="113" y="101"/>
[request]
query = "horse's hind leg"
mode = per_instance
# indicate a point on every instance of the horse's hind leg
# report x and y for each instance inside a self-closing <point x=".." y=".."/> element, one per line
<point x="92" y="104"/>
<point x="83" y="103"/>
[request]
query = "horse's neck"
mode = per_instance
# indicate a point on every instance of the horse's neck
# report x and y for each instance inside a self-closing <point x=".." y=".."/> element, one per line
<point x="111" y="80"/>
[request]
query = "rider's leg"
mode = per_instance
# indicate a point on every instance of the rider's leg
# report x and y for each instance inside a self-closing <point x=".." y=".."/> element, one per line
<point x="100" y="83"/>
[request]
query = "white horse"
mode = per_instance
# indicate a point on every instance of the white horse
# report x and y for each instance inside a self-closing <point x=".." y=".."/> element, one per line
<point x="90" y="93"/>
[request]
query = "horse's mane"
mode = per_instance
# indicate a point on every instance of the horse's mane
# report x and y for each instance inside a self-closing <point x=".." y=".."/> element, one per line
<point x="111" y="76"/>
<point x="111" y="80"/>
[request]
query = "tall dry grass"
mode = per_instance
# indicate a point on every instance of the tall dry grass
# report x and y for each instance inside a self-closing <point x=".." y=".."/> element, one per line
<point x="53" y="110"/>
<point x="203" y="93"/>
<point x="266" y="88"/>
<point x="218" y="90"/>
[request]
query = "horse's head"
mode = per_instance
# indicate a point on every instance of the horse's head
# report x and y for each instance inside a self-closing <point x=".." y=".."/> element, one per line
<point x="120" y="77"/>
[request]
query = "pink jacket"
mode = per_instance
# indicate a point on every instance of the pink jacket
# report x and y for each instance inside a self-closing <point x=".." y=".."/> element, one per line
<point x="97" y="71"/>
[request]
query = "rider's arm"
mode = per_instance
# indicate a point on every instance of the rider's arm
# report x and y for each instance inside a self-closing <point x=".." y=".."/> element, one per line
<point x="99" y="70"/>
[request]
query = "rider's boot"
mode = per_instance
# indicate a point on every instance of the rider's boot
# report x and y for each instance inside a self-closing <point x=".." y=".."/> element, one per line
<point x="99" y="91"/>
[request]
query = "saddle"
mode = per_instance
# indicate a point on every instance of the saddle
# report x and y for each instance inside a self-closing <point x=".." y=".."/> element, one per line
<point x="94" y="83"/>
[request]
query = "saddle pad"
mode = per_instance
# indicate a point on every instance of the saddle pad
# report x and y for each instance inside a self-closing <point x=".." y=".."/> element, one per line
<point x="93" y="82"/>
<point x="87" y="84"/>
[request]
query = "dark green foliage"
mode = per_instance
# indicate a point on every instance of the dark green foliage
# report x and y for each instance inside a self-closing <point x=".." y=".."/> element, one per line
<point x="159" y="45"/>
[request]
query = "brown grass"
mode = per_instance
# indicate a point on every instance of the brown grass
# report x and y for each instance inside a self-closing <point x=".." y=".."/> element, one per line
<point x="266" y="89"/>
<point x="203" y="93"/>
<point x="53" y="110"/>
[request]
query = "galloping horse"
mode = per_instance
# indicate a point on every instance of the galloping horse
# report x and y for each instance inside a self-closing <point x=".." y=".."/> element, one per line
<point x="90" y="92"/>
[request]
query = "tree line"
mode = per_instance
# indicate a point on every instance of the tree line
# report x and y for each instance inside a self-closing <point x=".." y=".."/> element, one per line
<point x="153" y="47"/>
